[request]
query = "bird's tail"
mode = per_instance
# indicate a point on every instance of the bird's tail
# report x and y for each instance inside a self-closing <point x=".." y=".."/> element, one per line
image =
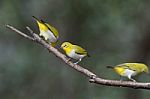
<point x="35" y="18"/>
<point x="111" y="67"/>
<point x="39" y="21"/>
<point x="88" y="55"/>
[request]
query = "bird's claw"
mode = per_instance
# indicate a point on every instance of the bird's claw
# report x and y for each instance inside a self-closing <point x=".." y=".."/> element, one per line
<point x="68" y="60"/>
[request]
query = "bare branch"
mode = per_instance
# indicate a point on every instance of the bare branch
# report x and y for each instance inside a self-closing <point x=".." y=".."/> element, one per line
<point x="93" y="77"/>
<point x="19" y="32"/>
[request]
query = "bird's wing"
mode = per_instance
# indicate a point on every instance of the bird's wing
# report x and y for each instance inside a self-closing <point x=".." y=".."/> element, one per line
<point x="124" y="65"/>
<point x="80" y="50"/>
<point x="52" y="29"/>
<point x="47" y="25"/>
<point x="131" y="67"/>
<point x="35" y="18"/>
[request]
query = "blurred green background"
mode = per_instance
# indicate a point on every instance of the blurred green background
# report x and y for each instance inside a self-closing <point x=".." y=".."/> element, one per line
<point x="112" y="31"/>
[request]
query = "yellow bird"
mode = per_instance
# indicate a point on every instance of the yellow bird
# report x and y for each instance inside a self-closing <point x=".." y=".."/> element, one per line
<point x="130" y="69"/>
<point x="74" y="51"/>
<point x="47" y="31"/>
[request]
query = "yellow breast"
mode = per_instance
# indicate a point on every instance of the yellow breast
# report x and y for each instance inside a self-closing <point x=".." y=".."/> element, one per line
<point x="42" y="27"/>
<point x="68" y="50"/>
<point x="119" y="70"/>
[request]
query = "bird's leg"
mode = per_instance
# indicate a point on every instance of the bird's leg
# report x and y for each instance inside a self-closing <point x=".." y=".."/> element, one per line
<point x="40" y="34"/>
<point x="78" y="61"/>
<point x="68" y="60"/>
<point x="129" y="76"/>
<point x="132" y="79"/>
<point x="121" y="79"/>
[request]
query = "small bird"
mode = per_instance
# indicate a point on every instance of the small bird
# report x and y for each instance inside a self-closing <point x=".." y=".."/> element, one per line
<point x="130" y="69"/>
<point x="47" y="31"/>
<point x="74" y="51"/>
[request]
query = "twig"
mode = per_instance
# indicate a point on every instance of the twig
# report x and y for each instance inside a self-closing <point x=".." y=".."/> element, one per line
<point x="19" y="32"/>
<point x="86" y="72"/>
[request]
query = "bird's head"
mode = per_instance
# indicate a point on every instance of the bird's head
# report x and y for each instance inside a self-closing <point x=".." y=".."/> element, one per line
<point x="65" y="45"/>
<point x="145" y="69"/>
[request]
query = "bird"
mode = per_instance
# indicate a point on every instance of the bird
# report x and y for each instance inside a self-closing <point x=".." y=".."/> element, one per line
<point x="74" y="51"/>
<point x="48" y="32"/>
<point x="130" y="69"/>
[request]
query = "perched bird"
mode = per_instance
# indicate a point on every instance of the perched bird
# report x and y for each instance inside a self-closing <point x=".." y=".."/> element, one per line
<point x="130" y="69"/>
<point x="47" y="31"/>
<point x="74" y="51"/>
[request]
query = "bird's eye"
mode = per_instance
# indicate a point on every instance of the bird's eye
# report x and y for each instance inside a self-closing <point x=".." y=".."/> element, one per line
<point x="65" y="45"/>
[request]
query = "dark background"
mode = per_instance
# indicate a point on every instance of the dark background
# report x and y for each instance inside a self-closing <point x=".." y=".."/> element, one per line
<point x="112" y="31"/>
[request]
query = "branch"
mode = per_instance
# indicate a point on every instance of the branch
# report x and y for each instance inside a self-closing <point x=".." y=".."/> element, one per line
<point x="93" y="78"/>
<point x="19" y="32"/>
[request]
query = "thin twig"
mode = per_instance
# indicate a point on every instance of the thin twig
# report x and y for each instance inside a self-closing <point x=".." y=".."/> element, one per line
<point x="86" y="72"/>
<point x="19" y="32"/>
